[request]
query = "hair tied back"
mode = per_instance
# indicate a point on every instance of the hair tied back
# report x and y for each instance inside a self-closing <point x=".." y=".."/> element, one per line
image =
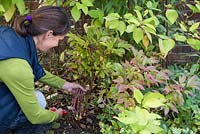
<point x="29" y="18"/>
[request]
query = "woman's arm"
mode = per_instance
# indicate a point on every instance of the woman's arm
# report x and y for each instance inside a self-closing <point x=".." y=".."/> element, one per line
<point x="17" y="75"/>
<point x="60" y="83"/>
<point x="52" y="80"/>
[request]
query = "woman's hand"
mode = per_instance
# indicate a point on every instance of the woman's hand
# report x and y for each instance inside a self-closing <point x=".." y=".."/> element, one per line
<point x="72" y="87"/>
<point x="59" y="111"/>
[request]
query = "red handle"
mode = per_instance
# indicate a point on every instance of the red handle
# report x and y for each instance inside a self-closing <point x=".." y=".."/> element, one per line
<point x="64" y="112"/>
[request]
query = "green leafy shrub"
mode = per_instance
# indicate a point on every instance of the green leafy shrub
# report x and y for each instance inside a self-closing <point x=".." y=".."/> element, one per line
<point x="188" y="117"/>
<point x="92" y="55"/>
<point x="129" y="79"/>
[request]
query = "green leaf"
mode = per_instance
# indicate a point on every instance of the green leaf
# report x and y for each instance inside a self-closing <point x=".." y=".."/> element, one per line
<point x="128" y="16"/>
<point x="93" y="13"/>
<point x="138" y="35"/>
<point x="96" y="13"/>
<point x="125" y="46"/>
<point x="72" y="3"/>
<point x="163" y="36"/>
<point x="156" y="21"/>
<point x="9" y="13"/>
<point x="20" y="6"/>
<point x="112" y="16"/>
<point x="171" y="15"/>
<point x="194" y="68"/>
<point x="194" y="43"/>
<point x="121" y="27"/>
<point x="145" y="12"/>
<point x="183" y="27"/>
<point x="149" y="36"/>
<point x="2" y="8"/>
<point x="154" y="127"/>
<point x="142" y="116"/>
<point x="149" y="20"/>
<point x="128" y="117"/>
<point x="76" y="14"/>
<point x="59" y="3"/>
<point x="78" y="39"/>
<point x="193" y="8"/>
<point x="6" y="4"/>
<point x="153" y="100"/>
<point x="120" y="52"/>
<point x="108" y="45"/>
<point x="113" y="24"/>
<point x="139" y="15"/>
<point x="149" y="4"/>
<point x="148" y="29"/>
<point x="85" y="9"/>
<point x="179" y="37"/>
<point x="150" y="26"/>
<point x="87" y="2"/>
<point x="79" y="5"/>
<point x="194" y="26"/>
<point x="134" y="20"/>
<point x="138" y="96"/>
<point x="198" y="6"/>
<point x="166" y="46"/>
<point x="136" y="128"/>
<point x="130" y="28"/>
<point x="117" y="67"/>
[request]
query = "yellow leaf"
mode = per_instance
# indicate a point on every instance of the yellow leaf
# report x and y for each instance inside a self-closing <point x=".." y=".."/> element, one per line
<point x="145" y="41"/>
<point x="62" y="56"/>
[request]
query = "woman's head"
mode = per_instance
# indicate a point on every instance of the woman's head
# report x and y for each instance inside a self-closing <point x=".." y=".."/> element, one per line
<point x="42" y="20"/>
<point x="47" y="25"/>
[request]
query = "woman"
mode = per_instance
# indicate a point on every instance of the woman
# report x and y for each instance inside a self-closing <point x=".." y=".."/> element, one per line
<point x="22" y="109"/>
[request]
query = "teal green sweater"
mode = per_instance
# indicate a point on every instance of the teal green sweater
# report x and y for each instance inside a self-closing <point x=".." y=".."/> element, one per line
<point x="18" y="76"/>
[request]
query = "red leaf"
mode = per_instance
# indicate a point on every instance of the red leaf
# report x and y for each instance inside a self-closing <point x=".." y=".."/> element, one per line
<point x="151" y="78"/>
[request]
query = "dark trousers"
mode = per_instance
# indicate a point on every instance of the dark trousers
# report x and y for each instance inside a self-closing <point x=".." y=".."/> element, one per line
<point x="22" y="126"/>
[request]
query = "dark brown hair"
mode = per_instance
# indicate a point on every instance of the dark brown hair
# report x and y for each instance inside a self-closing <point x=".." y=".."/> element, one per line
<point x="43" y="19"/>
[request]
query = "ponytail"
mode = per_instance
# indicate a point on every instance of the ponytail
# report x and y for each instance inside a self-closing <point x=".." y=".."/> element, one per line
<point x="21" y="25"/>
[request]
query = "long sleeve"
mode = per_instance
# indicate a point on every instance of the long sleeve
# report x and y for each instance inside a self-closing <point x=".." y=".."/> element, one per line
<point x="52" y="80"/>
<point x="18" y="76"/>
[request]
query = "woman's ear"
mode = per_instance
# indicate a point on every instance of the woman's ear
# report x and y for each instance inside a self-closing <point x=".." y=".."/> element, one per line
<point x="49" y="34"/>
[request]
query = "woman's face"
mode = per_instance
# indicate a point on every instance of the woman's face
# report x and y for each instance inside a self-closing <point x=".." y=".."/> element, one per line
<point x="46" y="41"/>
